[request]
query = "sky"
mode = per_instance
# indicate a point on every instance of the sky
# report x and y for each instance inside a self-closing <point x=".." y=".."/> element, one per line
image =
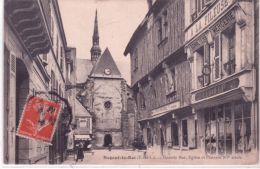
<point x="117" y="21"/>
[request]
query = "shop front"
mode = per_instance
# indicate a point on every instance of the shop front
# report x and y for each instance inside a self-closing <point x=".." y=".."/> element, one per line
<point x="228" y="128"/>
<point x="227" y="116"/>
<point x="170" y="128"/>
<point x="220" y="51"/>
<point x="85" y="139"/>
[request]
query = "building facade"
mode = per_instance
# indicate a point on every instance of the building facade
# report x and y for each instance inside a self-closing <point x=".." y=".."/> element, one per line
<point x="35" y="61"/>
<point x="160" y="74"/>
<point x="219" y="42"/>
<point x="104" y="95"/>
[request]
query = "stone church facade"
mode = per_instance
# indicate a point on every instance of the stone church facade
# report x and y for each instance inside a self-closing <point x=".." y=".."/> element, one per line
<point x="105" y="96"/>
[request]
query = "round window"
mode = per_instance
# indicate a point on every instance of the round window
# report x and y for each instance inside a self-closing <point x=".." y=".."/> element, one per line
<point x="107" y="105"/>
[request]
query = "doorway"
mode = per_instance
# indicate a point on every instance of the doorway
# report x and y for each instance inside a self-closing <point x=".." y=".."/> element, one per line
<point x="107" y="140"/>
<point x="22" y="91"/>
<point x="175" y="134"/>
<point x="184" y="133"/>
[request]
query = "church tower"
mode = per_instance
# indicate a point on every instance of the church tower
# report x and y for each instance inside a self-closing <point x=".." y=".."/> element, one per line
<point x="95" y="50"/>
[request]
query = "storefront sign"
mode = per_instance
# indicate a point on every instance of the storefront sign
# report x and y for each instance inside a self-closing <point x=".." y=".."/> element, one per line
<point x="39" y="119"/>
<point x="232" y="84"/>
<point x="82" y="137"/>
<point x="225" y="22"/>
<point x="168" y="107"/>
<point x="207" y="18"/>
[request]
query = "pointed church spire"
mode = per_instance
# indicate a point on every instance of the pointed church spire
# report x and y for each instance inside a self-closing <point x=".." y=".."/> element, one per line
<point x="95" y="34"/>
<point x="95" y="50"/>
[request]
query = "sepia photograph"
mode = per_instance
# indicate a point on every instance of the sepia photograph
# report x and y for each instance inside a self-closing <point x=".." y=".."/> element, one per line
<point x="130" y="83"/>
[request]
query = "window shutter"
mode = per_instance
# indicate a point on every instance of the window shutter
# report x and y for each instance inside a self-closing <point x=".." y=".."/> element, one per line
<point x="206" y="62"/>
<point x="217" y="64"/>
<point x="217" y="71"/>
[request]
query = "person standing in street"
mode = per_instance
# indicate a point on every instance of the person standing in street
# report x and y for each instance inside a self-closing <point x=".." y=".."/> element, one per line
<point x="80" y="152"/>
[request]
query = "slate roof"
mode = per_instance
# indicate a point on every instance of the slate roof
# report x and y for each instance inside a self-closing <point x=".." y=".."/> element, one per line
<point x="80" y="110"/>
<point x="105" y="61"/>
<point x="84" y="67"/>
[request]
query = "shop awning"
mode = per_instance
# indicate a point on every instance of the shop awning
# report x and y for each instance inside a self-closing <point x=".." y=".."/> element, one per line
<point x="27" y="20"/>
<point x="155" y="116"/>
<point x="183" y="111"/>
<point x="82" y="137"/>
<point x="229" y="96"/>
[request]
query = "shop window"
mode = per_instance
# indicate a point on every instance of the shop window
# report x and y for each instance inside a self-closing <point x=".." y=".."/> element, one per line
<point x="219" y="129"/>
<point x="175" y="134"/>
<point x="184" y="133"/>
<point x="243" y="139"/>
<point x="210" y="142"/>
<point x="149" y="137"/>
<point x="228" y="129"/>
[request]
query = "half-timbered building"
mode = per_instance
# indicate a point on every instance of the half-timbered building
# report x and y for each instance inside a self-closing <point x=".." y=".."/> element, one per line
<point x="161" y="76"/>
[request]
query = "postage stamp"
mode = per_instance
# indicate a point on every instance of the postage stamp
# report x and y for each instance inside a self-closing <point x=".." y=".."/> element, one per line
<point x="39" y="119"/>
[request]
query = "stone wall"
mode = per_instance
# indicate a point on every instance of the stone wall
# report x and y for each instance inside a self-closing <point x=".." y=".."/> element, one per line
<point x="108" y="119"/>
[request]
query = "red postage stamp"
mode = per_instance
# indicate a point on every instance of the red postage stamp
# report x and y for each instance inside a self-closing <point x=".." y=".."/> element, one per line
<point x="39" y="118"/>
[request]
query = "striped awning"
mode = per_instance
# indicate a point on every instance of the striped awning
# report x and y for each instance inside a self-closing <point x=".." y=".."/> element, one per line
<point x="82" y="137"/>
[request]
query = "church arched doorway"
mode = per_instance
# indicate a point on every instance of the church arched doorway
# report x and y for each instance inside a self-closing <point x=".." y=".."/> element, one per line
<point x="107" y="140"/>
<point x="22" y="91"/>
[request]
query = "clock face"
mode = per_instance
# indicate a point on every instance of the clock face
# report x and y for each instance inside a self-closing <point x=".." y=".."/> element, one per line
<point x="107" y="71"/>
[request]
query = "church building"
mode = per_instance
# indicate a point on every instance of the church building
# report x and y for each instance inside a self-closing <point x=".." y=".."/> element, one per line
<point x="105" y="96"/>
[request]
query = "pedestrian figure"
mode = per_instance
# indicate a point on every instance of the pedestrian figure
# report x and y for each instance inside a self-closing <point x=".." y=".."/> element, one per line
<point x="80" y="152"/>
<point x="109" y="146"/>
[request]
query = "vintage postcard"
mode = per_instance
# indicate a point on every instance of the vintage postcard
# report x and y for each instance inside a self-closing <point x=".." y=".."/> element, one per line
<point x="131" y="82"/>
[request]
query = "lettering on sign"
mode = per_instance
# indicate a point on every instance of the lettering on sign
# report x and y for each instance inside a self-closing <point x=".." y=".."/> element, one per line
<point x="200" y="41"/>
<point x="224" y="23"/>
<point x="232" y="84"/>
<point x="208" y="18"/>
<point x="166" y="108"/>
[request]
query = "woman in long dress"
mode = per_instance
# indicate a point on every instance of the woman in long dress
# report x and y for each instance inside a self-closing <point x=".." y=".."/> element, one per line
<point x="80" y="152"/>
